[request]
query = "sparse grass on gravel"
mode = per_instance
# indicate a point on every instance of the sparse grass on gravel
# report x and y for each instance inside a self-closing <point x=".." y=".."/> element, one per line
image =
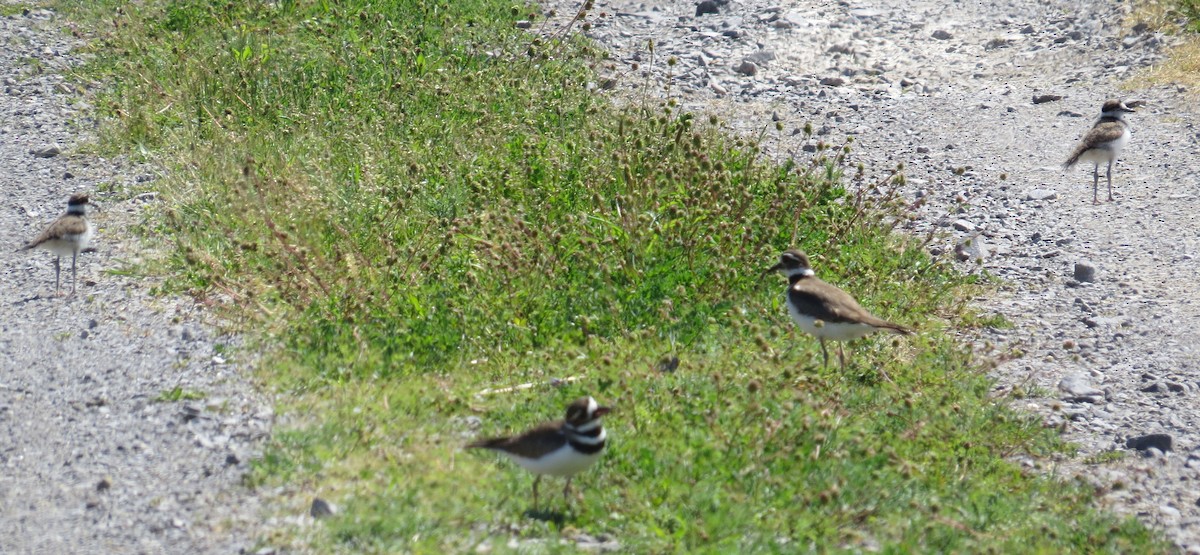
<point x="411" y="202"/>
<point x="1181" y="17"/>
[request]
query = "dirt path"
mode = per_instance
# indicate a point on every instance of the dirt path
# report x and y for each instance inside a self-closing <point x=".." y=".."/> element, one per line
<point x="93" y="456"/>
<point x="947" y="89"/>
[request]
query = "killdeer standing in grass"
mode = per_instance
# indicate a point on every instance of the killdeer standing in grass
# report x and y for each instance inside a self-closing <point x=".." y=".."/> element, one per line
<point x="69" y="234"/>
<point x="1103" y="143"/>
<point x="823" y="310"/>
<point x="559" y="448"/>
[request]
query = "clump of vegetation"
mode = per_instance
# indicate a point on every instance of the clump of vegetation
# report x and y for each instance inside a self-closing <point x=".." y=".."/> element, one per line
<point x="413" y="202"/>
<point x="1182" y="65"/>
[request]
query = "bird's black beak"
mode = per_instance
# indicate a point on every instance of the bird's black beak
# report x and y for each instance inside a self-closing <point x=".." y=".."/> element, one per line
<point x="601" y="411"/>
<point x="774" y="268"/>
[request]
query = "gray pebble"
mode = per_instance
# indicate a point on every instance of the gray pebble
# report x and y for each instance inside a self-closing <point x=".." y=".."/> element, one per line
<point x="321" y="508"/>
<point x="1085" y="271"/>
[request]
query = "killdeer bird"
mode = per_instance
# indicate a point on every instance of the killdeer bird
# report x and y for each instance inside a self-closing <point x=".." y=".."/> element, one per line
<point x="559" y="448"/>
<point x="68" y="234"/>
<point x="823" y="310"/>
<point x="1103" y="143"/>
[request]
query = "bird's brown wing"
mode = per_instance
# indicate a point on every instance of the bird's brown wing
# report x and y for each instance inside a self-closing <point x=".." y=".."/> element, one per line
<point x="531" y="444"/>
<point x="70" y="224"/>
<point x="1102" y="133"/>
<point x="830" y="304"/>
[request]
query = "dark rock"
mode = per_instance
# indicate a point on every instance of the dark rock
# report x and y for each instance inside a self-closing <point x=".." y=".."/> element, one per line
<point x="941" y="34"/>
<point x="707" y="7"/>
<point x="833" y="81"/>
<point x="1085" y="271"/>
<point x="1162" y="442"/>
<point x="747" y="68"/>
<point x="1044" y="98"/>
<point x="321" y="508"/>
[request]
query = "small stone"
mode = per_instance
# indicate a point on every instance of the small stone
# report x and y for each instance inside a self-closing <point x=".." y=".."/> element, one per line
<point x="1085" y="271"/>
<point x="1041" y="194"/>
<point x="68" y="175"/>
<point x="1079" y="390"/>
<point x="964" y="225"/>
<point x="833" y="81"/>
<point x="707" y="7"/>
<point x="49" y="151"/>
<point x="232" y="460"/>
<point x="1154" y="388"/>
<point x="941" y="34"/>
<point x="747" y="68"/>
<point x="1162" y="442"/>
<point x="922" y="150"/>
<point x="523" y="24"/>
<point x="321" y="508"/>
<point x="1044" y="98"/>
<point x="104" y="484"/>
<point x="973" y="248"/>
<point x="761" y="57"/>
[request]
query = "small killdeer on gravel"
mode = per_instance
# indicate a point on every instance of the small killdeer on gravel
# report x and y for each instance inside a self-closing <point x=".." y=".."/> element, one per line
<point x="1103" y="143"/>
<point x="68" y="234"/>
<point x="823" y="310"/>
<point x="559" y="448"/>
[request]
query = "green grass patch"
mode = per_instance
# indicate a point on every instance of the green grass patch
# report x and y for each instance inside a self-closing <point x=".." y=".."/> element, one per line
<point x="413" y="202"/>
<point x="176" y="394"/>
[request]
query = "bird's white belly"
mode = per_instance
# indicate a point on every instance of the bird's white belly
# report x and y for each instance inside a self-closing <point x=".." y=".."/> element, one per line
<point x="563" y="462"/>
<point x="1105" y="155"/>
<point x="69" y="244"/>
<point x="827" y="330"/>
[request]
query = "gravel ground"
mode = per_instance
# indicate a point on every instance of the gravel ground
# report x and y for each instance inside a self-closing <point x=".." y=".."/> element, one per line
<point x="945" y="88"/>
<point x="949" y="90"/>
<point x="90" y="460"/>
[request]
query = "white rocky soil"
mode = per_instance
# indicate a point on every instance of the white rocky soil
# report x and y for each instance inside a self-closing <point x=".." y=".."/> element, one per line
<point x="95" y="457"/>
<point x="982" y="102"/>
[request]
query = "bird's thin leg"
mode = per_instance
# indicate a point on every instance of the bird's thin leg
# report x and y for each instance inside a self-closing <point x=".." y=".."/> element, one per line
<point x="535" y="496"/>
<point x="567" y="492"/>
<point x="57" y="271"/>
<point x="1095" y="182"/>
<point x="824" y="353"/>
<point x="73" y="256"/>
<point x="1110" y="163"/>
<point x="842" y="356"/>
